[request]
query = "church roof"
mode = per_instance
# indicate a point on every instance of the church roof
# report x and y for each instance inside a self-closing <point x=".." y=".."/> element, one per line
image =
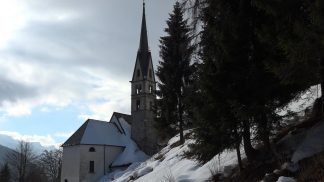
<point x="127" y="117"/>
<point x="96" y="132"/>
<point x="144" y="54"/>
<point x="143" y="41"/>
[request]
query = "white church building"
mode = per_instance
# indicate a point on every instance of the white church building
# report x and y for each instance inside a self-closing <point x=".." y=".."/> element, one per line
<point x="98" y="147"/>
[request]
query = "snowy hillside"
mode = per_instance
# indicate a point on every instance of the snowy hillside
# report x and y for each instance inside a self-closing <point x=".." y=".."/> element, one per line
<point x="170" y="165"/>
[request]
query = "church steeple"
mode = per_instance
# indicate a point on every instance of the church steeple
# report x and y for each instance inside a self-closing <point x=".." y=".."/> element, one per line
<point x="143" y="47"/>
<point x="144" y="57"/>
<point x="143" y="96"/>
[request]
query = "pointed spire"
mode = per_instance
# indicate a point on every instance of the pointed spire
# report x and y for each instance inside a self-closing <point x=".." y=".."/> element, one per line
<point x="143" y="41"/>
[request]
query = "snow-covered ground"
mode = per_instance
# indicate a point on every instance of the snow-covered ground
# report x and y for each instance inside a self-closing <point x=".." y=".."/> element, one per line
<point x="303" y="143"/>
<point x="170" y="165"/>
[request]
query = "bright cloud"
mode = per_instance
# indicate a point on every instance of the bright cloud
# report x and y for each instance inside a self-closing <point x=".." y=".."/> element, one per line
<point x="11" y="20"/>
<point x="75" y="54"/>
<point x="63" y="134"/>
<point x="43" y="140"/>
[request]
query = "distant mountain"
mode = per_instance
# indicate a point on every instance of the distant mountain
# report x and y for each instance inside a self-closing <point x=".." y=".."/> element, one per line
<point x="8" y="141"/>
<point x="3" y="153"/>
<point x="11" y="143"/>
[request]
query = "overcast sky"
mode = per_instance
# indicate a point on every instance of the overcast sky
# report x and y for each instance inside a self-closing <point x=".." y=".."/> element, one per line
<point x="63" y="61"/>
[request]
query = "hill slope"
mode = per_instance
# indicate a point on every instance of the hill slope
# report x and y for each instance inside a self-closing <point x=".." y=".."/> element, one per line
<point x="170" y="165"/>
<point x="3" y="153"/>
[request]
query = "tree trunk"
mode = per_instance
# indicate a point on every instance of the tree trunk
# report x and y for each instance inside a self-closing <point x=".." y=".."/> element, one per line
<point x="265" y="131"/>
<point x="321" y="60"/>
<point x="249" y="150"/>
<point x="238" y="152"/>
<point x="180" y="112"/>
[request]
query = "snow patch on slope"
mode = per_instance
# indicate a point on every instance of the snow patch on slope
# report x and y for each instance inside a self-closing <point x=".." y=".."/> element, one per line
<point x="313" y="143"/>
<point x="170" y="163"/>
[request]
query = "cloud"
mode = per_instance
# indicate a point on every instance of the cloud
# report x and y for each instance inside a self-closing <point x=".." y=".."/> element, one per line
<point x="59" y="57"/>
<point x="11" y="91"/>
<point x="63" y="134"/>
<point x="46" y="140"/>
<point x="75" y="53"/>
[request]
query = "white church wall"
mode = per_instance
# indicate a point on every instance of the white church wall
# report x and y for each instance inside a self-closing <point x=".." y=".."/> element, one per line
<point x="70" y="164"/>
<point x="86" y="156"/>
<point x="101" y="154"/>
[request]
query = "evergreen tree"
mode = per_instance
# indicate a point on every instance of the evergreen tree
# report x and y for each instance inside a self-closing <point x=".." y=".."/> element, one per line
<point x="299" y="32"/>
<point x="5" y="173"/>
<point x="174" y="72"/>
<point x="237" y="89"/>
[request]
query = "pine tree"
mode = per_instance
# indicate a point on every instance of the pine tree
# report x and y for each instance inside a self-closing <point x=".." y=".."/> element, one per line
<point x="237" y="89"/>
<point x="5" y="173"/>
<point x="299" y="34"/>
<point x="214" y="120"/>
<point x="174" y="72"/>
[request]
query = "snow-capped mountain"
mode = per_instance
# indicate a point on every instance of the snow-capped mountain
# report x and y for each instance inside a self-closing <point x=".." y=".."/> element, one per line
<point x="11" y="143"/>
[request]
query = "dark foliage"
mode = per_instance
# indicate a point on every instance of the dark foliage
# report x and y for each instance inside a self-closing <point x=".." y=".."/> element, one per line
<point x="239" y="87"/>
<point x="5" y="173"/>
<point x="174" y="73"/>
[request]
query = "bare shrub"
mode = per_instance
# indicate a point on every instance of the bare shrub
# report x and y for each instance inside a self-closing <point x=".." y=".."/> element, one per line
<point x="159" y="157"/>
<point x="168" y="176"/>
<point x="214" y="169"/>
<point x="51" y="162"/>
<point x="22" y="160"/>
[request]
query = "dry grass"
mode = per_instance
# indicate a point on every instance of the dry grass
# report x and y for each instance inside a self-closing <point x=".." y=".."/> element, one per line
<point x="175" y="144"/>
<point x="159" y="157"/>
<point x="168" y="176"/>
<point x="214" y="169"/>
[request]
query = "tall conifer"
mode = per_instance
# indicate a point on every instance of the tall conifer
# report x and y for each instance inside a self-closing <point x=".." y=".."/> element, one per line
<point x="173" y="72"/>
<point x="237" y="89"/>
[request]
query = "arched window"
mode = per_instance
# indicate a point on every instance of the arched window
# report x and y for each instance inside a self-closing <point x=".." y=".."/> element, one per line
<point x="138" y="105"/>
<point x="92" y="149"/>
<point x="138" y="89"/>
<point x="91" y="167"/>
<point x="151" y="89"/>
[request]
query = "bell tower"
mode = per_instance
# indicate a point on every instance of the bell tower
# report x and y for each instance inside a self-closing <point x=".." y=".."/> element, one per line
<point x="143" y="96"/>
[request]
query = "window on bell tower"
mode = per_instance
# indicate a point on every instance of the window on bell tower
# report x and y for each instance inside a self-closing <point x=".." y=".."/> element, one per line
<point x="151" y="89"/>
<point x="138" y="105"/>
<point x="138" y="89"/>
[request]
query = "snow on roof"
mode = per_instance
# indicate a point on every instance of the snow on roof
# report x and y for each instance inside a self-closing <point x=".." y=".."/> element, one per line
<point x="117" y="132"/>
<point x="126" y="117"/>
<point x="131" y="153"/>
<point x="96" y="132"/>
<point x="116" y="117"/>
